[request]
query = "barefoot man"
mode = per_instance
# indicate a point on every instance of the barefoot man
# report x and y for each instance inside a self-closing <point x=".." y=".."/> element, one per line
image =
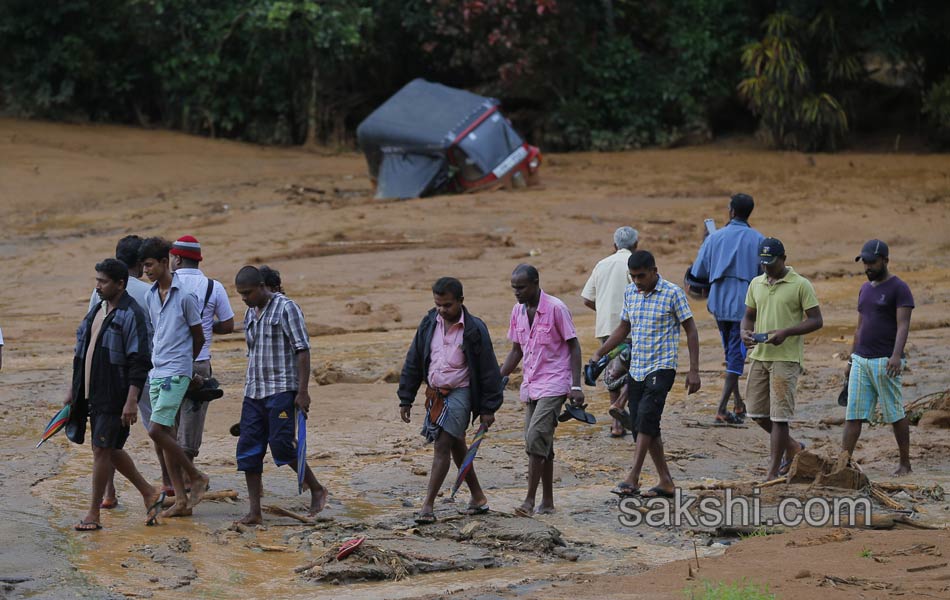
<point x="110" y="365"/>
<point x="452" y="352"/>
<point x="178" y="339"/>
<point x="275" y="387"/>
<point x="877" y="353"/>
<point x="542" y="332"/>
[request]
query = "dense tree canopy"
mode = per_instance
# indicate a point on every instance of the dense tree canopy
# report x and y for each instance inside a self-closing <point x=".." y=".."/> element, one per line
<point x="584" y="74"/>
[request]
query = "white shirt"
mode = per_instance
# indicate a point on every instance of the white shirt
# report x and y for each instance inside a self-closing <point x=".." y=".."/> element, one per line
<point x="194" y="281"/>
<point x="605" y="288"/>
<point x="1" y="337"/>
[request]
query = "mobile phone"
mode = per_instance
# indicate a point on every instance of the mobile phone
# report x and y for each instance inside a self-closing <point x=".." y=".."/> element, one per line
<point x="710" y="225"/>
<point x="760" y="338"/>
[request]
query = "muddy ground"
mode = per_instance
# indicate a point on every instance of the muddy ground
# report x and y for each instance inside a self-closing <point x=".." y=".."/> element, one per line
<point x="361" y="270"/>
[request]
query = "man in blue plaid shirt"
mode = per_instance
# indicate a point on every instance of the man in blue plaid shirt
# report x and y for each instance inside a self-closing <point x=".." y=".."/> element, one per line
<point x="278" y="371"/>
<point x="653" y="312"/>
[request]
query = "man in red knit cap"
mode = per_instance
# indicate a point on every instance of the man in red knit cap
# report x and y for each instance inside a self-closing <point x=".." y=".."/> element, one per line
<point x="216" y="317"/>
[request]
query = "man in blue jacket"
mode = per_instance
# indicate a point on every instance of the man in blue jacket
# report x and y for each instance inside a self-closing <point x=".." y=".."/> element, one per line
<point x="729" y="259"/>
<point x="110" y="365"/>
<point x="452" y="353"/>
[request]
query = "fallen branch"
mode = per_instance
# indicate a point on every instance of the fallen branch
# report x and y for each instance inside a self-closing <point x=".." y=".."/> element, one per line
<point x="729" y="485"/>
<point x="925" y="568"/>
<point x="905" y="520"/>
<point x="711" y="425"/>
<point x="884" y="499"/>
<point x="277" y="510"/>
<point x="211" y="495"/>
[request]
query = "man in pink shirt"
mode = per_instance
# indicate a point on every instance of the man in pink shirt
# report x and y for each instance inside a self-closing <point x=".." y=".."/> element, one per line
<point x="452" y="353"/>
<point x="542" y="333"/>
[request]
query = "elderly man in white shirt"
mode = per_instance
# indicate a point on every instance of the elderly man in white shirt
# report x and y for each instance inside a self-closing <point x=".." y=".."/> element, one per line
<point x="603" y="293"/>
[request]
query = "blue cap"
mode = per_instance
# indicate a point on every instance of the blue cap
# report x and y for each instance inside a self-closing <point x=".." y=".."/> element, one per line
<point x="770" y="249"/>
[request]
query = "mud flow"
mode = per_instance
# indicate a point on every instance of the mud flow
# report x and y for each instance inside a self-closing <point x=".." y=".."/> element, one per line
<point x="361" y="270"/>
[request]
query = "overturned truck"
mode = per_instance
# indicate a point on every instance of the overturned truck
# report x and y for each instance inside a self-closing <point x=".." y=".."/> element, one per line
<point x="429" y="138"/>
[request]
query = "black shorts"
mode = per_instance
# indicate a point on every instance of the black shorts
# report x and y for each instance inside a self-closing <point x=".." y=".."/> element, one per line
<point x="108" y="430"/>
<point x="647" y="398"/>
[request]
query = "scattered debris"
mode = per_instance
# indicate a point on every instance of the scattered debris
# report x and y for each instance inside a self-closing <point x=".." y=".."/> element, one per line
<point x="925" y="568"/>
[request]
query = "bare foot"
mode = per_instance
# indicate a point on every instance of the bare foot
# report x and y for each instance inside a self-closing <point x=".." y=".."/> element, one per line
<point x="902" y="470"/>
<point x="525" y="509"/>
<point x="318" y="500"/>
<point x="250" y="519"/>
<point x="179" y="509"/>
<point x="198" y="490"/>
<point x="545" y="510"/>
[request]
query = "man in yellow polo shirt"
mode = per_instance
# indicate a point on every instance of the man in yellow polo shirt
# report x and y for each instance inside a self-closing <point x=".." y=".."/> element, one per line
<point x="781" y="307"/>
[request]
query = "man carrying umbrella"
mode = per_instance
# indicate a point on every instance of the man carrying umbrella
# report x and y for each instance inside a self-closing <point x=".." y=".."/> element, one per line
<point x="452" y="353"/>
<point x="110" y="366"/>
<point x="275" y="388"/>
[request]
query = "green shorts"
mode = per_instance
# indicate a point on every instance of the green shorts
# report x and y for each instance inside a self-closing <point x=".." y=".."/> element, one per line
<point x="869" y="386"/>
<point x="166" y="394"/>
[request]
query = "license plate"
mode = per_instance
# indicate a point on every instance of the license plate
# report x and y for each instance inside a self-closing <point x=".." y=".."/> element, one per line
<point x="509" y="163"/>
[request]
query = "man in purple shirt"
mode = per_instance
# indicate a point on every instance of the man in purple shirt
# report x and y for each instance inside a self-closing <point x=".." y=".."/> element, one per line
<point x="877" y="353"/>
<point x="542" y="333"/>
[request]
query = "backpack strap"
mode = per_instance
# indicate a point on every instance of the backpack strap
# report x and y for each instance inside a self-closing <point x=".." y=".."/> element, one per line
<point x="208" y="294"/>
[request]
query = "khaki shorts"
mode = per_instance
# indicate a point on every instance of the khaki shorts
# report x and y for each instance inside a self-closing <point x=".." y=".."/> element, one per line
<point x="540" y="421"/>
<point x="770" y="391"/>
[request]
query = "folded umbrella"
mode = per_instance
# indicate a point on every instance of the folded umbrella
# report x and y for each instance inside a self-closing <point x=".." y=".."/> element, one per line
<point x="466" y="465"/>
<point x="55" y="424"/>
<point x="301" y="449"/>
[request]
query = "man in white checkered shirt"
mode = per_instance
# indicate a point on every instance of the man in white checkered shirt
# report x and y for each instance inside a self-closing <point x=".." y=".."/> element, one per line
<point x="278" y="372"/>
<point x="653" y="312"/>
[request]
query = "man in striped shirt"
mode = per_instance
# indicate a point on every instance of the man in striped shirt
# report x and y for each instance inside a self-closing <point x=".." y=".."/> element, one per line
<point x="278" y="371"/>
<point x="653" y="312"/>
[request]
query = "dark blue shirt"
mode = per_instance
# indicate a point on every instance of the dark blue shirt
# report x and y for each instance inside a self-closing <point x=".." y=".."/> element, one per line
<point x="877" y="305"/>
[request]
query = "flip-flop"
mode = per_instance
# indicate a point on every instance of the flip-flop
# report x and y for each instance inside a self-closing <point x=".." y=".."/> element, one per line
<point x="90" y="526"/>
<point x="154" y="509"/>
<point x="787" y="464"/>
<point x="619" y="435"/>
<point x="474" y="510"/>
<point x="349" y="546"/>
<point x="740" y="417"/>
<point x="621" y="415"/>
<point x="522" y="512"/>
<point x="729" y="418"/>
<point x="109" y="504"/>
<point x="625" y="490"/>
<point x="425" y="518"/>
<point x="657" y="492"/>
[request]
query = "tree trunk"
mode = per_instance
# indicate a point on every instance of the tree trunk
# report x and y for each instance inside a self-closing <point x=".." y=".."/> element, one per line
<point x="609" y="25"/>
<point x="312" y="110"/>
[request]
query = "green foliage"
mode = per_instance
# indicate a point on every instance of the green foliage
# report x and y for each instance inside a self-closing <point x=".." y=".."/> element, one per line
<point x="790" y="92"/>
<point x="729" y="591"/>
<point x="937" y="110"/>
<point x="866" y="553"/>
<point x="584" y="74"/>
<point x="757" y="532"/>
